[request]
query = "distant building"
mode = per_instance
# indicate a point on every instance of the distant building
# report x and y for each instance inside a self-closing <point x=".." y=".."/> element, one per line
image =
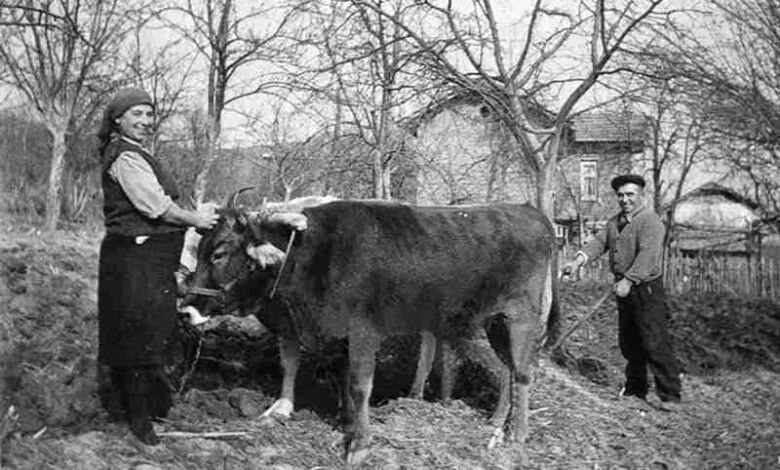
<point x="465" y="155"/>
<point x="719" y="242"/>
<point x="715" y="218"/>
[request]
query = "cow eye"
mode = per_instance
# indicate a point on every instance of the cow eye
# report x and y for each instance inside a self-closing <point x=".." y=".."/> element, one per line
<point x="218" y="255"/>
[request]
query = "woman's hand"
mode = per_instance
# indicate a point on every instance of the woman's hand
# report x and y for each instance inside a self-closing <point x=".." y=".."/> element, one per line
<point x="206" y="217"/>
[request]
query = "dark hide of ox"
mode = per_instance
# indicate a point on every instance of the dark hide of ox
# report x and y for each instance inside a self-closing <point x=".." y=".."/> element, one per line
<point x="364" y="270"/>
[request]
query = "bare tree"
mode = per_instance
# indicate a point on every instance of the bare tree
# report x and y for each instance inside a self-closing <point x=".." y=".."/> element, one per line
<point x="732" y="61"/>
<point x="57" y="55"/>
<point x="368" y="75"/>
<point x="292" y="166"/>
<point x="679" y="141"/>
<point x="233" y="42"/>
<point x="165" y="70"/>
<point x="514" y="84"/>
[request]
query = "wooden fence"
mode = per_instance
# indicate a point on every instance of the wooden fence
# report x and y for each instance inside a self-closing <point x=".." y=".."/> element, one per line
<point x="737" y="273"/>
<point x="756" y="276"/>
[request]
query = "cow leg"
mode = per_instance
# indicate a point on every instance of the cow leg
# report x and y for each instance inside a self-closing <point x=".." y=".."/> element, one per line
<point x="290" y="354"/>
<point x="363" y="345"/>
<point x="481" y="351"/>
<point x="424" y="364"/>
<point x="503" y="377"/>
<point x="521" y="345"/>
<point x="449" y="369"/>
<point x="347" y="405"/>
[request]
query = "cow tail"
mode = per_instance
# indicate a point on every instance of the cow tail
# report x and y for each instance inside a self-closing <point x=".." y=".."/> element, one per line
<point x="554" y="325"/>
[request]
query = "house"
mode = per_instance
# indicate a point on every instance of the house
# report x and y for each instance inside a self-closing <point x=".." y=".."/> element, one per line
<point x="466" y="155"/>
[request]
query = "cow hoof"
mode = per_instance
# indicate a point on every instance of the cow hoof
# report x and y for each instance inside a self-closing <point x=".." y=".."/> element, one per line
<point x="496" y="438"/>
<point x="356" y="448"/>
<point x="522" y="456"/>
<point x="357" y="457"/>
<point x="524" y="460"/>
<point x="282" y="408"/>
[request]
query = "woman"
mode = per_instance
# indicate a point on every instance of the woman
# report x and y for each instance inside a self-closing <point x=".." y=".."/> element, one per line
<point x="138" y="256"/>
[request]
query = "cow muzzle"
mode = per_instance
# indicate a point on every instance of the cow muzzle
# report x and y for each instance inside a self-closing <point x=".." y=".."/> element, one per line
<point x="193" y="315"/>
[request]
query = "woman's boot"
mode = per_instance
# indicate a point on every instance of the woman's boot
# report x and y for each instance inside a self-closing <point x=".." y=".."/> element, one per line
<point x="138" y="412"/>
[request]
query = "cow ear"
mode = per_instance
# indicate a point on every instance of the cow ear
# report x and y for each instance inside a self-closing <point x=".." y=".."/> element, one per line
<point x="266" y="255"/>
<point x="242" y="218"/>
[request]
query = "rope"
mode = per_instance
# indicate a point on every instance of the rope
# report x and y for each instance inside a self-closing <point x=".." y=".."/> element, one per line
<point x="281" y="268"/>
<point x="188" y="373"/>
<point x="205" y="291"/>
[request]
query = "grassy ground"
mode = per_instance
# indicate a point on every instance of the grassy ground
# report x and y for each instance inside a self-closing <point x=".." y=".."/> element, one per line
<point x="729" y="420"/>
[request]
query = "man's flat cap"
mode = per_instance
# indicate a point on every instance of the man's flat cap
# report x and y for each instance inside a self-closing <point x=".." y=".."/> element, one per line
<point x="620" y="180"/>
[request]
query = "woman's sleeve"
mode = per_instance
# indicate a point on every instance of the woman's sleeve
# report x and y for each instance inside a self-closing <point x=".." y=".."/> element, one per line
<point x="140" y="184"/>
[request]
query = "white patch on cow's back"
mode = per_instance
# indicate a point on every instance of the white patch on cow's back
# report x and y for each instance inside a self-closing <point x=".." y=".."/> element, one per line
<point x="293" y="220"/>
<point x="298" y="204"/>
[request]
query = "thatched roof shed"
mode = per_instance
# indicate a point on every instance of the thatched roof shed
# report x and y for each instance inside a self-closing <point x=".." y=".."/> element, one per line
<point x="713" y="217"/>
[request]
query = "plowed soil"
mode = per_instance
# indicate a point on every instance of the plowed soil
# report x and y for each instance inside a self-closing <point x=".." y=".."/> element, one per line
<point x="729" y="419"/>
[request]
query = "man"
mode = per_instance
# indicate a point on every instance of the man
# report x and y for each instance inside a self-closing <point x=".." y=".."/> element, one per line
<point x="634" y="241"/>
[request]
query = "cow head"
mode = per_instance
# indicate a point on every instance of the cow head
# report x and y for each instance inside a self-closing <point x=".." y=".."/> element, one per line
<point x="238" y="260"/>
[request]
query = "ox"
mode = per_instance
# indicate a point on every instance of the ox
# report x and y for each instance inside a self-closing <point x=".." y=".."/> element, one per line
<point x="363" y="270"/>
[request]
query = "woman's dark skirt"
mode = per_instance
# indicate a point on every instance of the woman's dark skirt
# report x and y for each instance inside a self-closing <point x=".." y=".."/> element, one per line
<point x="137" y="325"/>
<point x="137" y="300"/>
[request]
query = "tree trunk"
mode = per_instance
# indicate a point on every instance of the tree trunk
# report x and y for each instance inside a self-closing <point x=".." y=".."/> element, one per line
<point x="377" y="174"/>
<point x="201" y="179"/>
<point x="55" y="178"/>
<point x="212" y="144"/>
<point x="545" y="196"/>
<point x="545" y="178"/>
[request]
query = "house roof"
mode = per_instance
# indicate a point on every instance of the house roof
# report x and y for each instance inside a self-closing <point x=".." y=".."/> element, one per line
<point x="603" y="127"/>
<point x="715" y="189"/>
<point x="588" y="128"/>
<point x="451" y="97"/>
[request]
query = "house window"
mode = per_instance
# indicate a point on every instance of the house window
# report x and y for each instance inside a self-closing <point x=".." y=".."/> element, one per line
<point x="589" y="188"/>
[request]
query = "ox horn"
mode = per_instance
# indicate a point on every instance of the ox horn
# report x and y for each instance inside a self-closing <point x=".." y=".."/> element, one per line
<point x="231" y="201"/>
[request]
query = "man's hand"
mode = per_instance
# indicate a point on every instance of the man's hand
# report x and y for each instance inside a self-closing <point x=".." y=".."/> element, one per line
<point x="622" y="287"/>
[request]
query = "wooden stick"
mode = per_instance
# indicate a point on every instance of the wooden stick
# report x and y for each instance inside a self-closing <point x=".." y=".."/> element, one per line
<point x="589" y="313"/>
<point x="205" y="435"/>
